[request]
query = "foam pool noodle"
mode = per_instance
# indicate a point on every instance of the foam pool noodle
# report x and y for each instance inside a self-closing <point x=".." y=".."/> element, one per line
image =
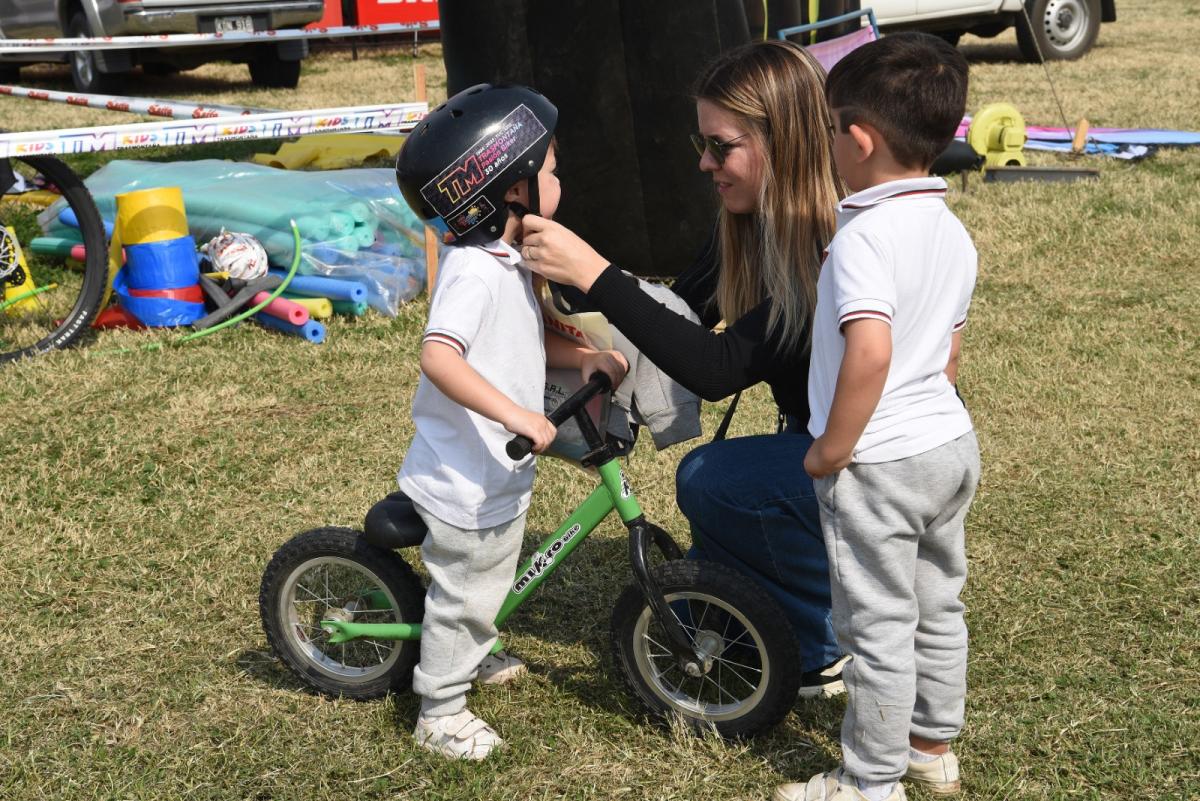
<point x="315" y="286"/>
<point x="318" y="308"/>
<point x="340" y="223"/>
<point x="313" y="331"/>
<point x="360" y="212"/>
<point x="350" y="307"/>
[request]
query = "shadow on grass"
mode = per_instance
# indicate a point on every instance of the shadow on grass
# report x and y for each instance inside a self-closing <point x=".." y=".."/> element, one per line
<point x="138" y="83"/>
<point x="262" y="666"/>
<point x="992" y="53"/>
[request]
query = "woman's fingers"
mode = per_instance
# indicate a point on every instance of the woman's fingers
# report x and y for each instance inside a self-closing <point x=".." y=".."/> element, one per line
<point x="557" y="253"/>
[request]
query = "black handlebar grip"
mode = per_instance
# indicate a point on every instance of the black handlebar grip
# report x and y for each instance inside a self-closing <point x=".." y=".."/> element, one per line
<point x="519" y="447"/>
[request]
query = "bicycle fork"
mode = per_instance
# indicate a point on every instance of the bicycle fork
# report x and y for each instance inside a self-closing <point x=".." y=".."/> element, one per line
<point x="641" y="535"/>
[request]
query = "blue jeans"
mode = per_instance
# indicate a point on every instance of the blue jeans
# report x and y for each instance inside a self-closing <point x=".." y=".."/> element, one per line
<point x="752" y="508"/>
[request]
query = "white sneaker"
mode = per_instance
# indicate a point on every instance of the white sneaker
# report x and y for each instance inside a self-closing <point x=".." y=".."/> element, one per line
<point x="458" y="736"/>
<point x="500" y="668"/>
<point x="836" y="785"/>
<point x="938" y="776"/>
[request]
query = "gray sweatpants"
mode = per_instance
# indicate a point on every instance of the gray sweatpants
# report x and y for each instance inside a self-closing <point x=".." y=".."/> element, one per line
<point x="470" y="573"/>
<point x="897" y="562"/>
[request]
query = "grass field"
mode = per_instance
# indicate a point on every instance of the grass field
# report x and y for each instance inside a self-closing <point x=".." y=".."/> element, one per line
<point x="143" y="494"/>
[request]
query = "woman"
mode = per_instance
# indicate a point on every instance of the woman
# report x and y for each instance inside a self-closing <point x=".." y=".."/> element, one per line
<point x="765" y="138"/>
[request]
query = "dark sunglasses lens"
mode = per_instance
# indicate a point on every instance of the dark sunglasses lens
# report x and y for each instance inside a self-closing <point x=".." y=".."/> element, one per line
<point x="709" y="144"/>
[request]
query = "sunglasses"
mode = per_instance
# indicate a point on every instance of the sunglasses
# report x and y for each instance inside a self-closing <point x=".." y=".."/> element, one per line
<point x="714" y="147"/>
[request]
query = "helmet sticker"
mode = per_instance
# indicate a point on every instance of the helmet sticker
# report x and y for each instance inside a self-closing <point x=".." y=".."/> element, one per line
<point x="453" y="192"/>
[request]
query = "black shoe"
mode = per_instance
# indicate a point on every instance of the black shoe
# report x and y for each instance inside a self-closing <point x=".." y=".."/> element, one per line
<point x="825" y="682"/>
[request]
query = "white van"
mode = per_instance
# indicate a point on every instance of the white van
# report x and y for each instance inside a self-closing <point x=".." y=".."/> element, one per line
<point x="1061" y="29"/>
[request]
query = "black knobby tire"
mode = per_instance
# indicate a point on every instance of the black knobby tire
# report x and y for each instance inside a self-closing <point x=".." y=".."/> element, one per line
<point x="85" y="72"/>
<point x="754" y="654"/>
<point x="1062" y="30"/>
<point x="64" y="322"/>
<point x="271" y="72"/>
<point x="333" y="573"/>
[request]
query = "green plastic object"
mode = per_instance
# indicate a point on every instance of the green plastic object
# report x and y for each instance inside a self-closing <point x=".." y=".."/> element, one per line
<point x="53" y="246"/>
<point x="356" y="309"/>
<point x="997" y="133"/>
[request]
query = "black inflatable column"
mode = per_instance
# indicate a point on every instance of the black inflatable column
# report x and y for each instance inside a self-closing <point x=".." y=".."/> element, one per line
<point x="620" y="72"/>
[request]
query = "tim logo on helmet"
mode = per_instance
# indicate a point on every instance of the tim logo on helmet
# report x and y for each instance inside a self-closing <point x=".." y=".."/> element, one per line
<point x="461" y="181"/>
<point x="480" y="135"/>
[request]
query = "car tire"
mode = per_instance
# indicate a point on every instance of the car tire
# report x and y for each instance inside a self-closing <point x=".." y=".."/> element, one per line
<point x="1058" y="30"/>
<point x="271" y="72"/>
<point x="950" y="37"/>
<point x="85" y="72"/>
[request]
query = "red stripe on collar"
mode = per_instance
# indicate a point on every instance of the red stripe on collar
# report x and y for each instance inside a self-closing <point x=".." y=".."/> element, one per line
<point x="910" y="193"/>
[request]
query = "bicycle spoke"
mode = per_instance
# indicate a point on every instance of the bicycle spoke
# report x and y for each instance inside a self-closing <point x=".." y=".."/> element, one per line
<point x="316" y="598"/>
<point x="735" y="642"/>
<point x="720" y="690"/>
<point x="733" y="664"/>
<point x="746" y="681"/>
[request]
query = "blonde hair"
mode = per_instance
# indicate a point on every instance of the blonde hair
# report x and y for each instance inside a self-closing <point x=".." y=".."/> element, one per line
<point x="776" y="91"/>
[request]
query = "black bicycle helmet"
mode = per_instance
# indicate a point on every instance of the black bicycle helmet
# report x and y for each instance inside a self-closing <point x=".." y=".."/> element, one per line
<point x="459" y="162"/>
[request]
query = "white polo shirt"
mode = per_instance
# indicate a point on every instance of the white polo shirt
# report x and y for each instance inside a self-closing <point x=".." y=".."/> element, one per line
<point x="483" y="307"/>
<point x="902" y="257"/>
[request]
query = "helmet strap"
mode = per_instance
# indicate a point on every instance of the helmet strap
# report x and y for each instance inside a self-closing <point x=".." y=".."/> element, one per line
<point x="535" y="200"/>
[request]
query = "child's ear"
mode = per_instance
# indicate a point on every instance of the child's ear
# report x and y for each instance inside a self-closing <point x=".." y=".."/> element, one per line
<point x="864" y="139"/>
<point x="515" y="193"/>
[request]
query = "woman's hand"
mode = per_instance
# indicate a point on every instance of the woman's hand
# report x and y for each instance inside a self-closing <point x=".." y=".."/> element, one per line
<point x="610" y="362"/>
<point x="556" y="252"/>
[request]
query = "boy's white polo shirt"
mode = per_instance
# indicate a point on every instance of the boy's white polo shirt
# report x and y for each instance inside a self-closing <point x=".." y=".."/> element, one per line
<point x="484" y="307"/>
<point x="900" y="256"/>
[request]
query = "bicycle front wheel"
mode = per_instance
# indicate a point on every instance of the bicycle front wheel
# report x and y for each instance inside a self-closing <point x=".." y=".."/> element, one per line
<point x="47" y="301"/>
<point x="749" y="675"/>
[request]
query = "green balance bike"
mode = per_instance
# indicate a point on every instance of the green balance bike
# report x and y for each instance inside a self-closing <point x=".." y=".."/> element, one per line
<point x="693" y="639"/>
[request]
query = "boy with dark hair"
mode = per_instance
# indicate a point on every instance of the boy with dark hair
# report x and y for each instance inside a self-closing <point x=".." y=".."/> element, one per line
<point x="895" y="462"/>
<point x="471" y="169"/>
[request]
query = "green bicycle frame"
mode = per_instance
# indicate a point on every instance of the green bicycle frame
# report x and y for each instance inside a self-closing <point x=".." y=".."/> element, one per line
<point x="614" y="492"/>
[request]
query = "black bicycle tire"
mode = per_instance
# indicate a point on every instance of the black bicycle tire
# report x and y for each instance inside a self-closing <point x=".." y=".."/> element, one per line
<point x="95" y="273"/>
<point x="752" y="602"/>
<point x="349" y="544"/>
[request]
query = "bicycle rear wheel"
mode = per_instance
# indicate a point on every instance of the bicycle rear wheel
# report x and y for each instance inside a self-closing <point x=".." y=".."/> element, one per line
<point x="45" y="302"/>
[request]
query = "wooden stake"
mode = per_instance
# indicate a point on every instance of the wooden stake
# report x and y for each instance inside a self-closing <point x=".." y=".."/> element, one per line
<point x="1080" y="140"/>
<point x="431" y="243"/>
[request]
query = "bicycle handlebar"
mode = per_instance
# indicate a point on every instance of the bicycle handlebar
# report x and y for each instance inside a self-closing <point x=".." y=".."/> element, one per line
<point x="521" y="446"/>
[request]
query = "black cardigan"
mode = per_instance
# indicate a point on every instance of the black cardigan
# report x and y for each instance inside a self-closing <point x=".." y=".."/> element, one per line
<point x="713" y="365"/>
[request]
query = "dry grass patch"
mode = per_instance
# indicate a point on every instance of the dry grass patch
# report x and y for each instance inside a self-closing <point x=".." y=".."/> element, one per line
<point x="143" y="494"/>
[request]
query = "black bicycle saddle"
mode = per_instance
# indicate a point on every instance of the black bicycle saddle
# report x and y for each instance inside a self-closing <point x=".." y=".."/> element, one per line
<point x="394" y="523"/>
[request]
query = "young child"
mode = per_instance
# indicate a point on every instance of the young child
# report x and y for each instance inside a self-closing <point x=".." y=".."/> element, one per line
<point x="470" y="169"/>
<point x="895" y="460"/>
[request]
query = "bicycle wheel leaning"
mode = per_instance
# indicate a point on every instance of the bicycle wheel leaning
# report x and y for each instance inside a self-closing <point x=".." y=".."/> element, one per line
<point x="43" y="304"/>
<point x="333" y="574"/>
<point x="750" y="673"/>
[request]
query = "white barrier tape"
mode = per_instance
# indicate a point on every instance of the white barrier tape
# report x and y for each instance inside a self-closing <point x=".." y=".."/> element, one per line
<point x="277" y="125"/>
<point x="51" y="45"/>
<point x="174" y="109"/>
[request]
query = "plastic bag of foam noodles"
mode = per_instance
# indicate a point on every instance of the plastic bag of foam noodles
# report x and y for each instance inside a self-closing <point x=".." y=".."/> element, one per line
<point x="354" y="224"/>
